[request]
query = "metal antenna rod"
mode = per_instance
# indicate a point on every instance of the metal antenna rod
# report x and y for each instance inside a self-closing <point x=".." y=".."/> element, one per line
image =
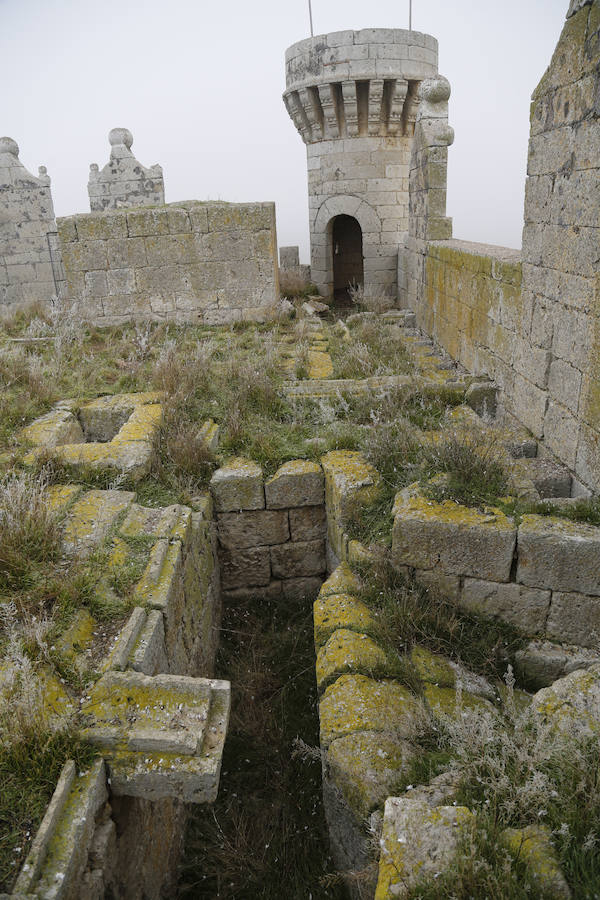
<point x="312" y="33"/>
<point x="409" y="15"/>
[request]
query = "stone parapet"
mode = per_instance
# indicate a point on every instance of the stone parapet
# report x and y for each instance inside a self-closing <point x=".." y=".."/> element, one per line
<point x="213" y="263"/>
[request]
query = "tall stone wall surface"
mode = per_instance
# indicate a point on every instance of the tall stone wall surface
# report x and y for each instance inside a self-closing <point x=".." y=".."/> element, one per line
<point x="561" y="241"/>
<point x="201" y="262"/>
<point x="30" y="263"/>
<point x="124" y="182"/>
<point x="353" y="96"/>
<point x="535" y="327"/>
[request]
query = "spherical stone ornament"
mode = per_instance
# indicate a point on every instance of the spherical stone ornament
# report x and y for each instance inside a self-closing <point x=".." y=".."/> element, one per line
<point x="436" y="90"/>
<point x="118" y="136"/>
<point x="7" y="145"/>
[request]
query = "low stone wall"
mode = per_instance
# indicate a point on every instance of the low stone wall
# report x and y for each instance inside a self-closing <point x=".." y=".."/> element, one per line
<point x="541" y="575"/>
<point x="116" y="830"/>
<point x="271" y="532"/>
<point x="208" y="263"/>
<point x="468" y="298"/>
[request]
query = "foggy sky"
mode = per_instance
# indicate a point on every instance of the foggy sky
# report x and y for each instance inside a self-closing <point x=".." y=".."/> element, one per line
<point x="199" y="84"/>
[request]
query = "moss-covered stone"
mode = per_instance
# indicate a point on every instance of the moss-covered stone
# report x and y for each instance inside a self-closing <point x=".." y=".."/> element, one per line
<point x="335" y="611"/>
<point x="348" y="651"/>
<point x="433" y="668"/>
<point x="533" y="846"/>
<point x="341" y="581"/>
<point x="356" y="703"/>
<point x="367" y="767"/>
<point x="417" y="842"/>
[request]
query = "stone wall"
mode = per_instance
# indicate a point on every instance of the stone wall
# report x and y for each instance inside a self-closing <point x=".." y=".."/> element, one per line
<point x="155" y="714"/>
<point x="124" y="182"/>
<point x="561" y="237"/>
<point x="535" y="327"/>
<point x="30" y="264"/>
<point x="468" y="298"/>
<point x="203" y="262"/>
<point x="271" y="532"/>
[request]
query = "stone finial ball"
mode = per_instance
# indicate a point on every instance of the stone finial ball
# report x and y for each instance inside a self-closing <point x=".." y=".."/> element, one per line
<point x="7" y="145"/>
<point x="436" y="90"/>
<point x="120" y="136"/>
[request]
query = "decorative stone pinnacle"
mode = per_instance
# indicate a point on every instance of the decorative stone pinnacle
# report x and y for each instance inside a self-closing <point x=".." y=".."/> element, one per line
<point x="117" y="136"/>
<point x="8" y="145"/>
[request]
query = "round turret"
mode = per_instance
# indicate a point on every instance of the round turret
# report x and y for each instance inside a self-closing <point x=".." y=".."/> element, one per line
<point x="353" y="96"/>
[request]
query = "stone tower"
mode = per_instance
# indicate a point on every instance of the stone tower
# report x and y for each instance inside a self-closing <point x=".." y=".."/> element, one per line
<point x="353" y="96"/>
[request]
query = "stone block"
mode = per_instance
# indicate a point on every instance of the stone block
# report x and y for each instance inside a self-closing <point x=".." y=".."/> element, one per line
<point x="540" y="663"/>
<point x="92" y="517"/>
<point x="253" y="528"/>
<point x="270" y="592"/>
<point x="356" y="703"/>
<point x="433" y="580"/>
<point x="300" y="559"/>
<point x="341" y="581"/>
<point x="366" y="767"/>
<point x="245" y="568"/>
<point x="334" y="611"/>
<point x="481" y="397"/>
<point x="148" y="654"/>
<point x="57" y="427"/>
<point x="572" y="704"/>
<point x="238" y="486"/>
<point x="162" y="736"/>
<point x="308" y="523"/>
<point x="525" y="608"/>
<point x="417" y="842"/>
<point x="575" y="619"/>
<point x="143" y="222"/>
<point x="296" y="483"/>
<point x="452" y="538"/>
<point x="58" y="856"/>
<point x="348" y="651"/>
<point x="559" y="554"/>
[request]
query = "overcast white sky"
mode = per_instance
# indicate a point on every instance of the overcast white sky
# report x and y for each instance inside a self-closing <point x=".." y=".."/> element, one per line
<point x="199" y="84"/>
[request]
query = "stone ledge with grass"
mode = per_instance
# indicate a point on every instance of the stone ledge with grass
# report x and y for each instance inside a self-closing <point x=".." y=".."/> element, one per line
<point x="113" y="434"/>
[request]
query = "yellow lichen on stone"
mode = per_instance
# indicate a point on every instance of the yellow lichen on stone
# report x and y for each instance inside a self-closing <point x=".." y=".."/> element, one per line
<point x="533" y="846"/>
<point x="341" y="581"/>
<point x="142" y="424"/>
<point x="119" y="553"/>
<point x="417" y="842"/>
<point x="92" y="516"/>
<point x="366" y="767"/>
<point x="60" y="496"/>
<point x="443" y="700"/>
<point x="433" y="668"/>
<point x="348" y="651"/>
<point x="77" y="637"/>
<point x="357" y="703"/>
<point x="420" y="507"/>
<point x="335" y="611"/>
<point x="159" y="580"/>
<point x="319" y="364"/>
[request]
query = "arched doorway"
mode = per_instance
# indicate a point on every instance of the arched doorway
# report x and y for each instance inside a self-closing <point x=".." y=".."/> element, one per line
<point x="348" y="267"/>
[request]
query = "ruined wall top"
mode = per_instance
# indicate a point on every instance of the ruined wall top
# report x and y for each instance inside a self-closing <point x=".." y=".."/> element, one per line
<point x="124" y="182"/>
